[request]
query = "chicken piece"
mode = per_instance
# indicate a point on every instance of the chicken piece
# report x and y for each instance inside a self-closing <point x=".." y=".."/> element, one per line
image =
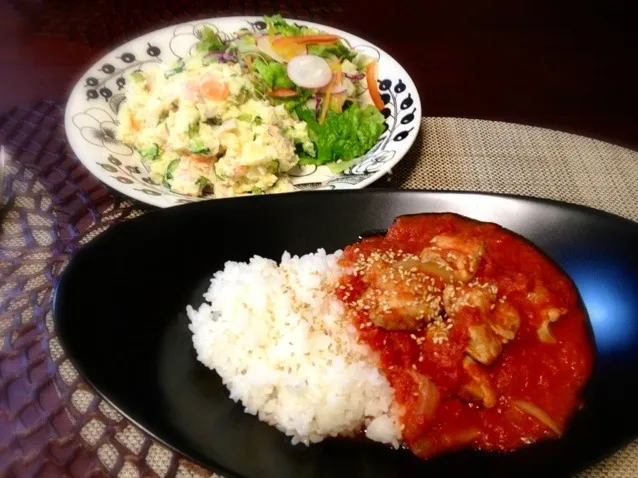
<point x="457" y="297"/>
<point x="505" y="321"/>
<point x="540" y="295"/>
<point x="421" y="405"/>
<point x="550" y="315"/>
<point x="432" y="264"/>
<point x="547" y="311"/>
<point x="400" y="311"/>
<point x="485" y="346"/>
<point x="463" y="254"/>
<point x="477" y="386"/>
<point x="398" y="297"/>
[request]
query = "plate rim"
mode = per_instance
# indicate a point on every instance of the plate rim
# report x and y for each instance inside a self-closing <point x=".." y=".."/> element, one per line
<point x="76" y="92"/>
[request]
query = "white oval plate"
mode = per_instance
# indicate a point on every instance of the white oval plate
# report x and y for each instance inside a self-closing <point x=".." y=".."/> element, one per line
<point x="91" y="113"/>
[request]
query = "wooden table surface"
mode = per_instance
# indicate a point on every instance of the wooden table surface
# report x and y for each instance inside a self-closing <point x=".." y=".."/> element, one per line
<point x="567" y="65"/>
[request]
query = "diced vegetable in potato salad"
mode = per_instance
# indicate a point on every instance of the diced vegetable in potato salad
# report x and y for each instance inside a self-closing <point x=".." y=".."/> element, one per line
<point x="237" y="115"/>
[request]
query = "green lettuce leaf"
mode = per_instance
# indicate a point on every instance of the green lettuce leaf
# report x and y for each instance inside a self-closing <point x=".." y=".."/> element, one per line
<point x="210" y="41"/>
<point x="282" y="27"/>
<point x="346" y="135"/>
<point x="273" y="74"/>
<point x="293" y="102"/>
<point x="337" y="49"/>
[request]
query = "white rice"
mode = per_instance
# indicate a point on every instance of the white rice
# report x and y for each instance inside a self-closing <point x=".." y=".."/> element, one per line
<point x="280" y="341"/>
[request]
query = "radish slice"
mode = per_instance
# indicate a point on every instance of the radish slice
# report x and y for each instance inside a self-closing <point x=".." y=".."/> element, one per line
<point x="263" y="43"/>
<point x="309" y="71"/>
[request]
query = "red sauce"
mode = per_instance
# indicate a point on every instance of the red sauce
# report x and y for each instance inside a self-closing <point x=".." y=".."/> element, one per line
<point x="549" y="375"/>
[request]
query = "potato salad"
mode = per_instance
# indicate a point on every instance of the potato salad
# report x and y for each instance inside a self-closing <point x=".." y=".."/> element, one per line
<point x="238" y="114"/>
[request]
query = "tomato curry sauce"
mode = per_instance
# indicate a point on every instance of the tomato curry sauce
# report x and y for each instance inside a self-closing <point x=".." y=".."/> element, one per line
<point x="481" y="336"/>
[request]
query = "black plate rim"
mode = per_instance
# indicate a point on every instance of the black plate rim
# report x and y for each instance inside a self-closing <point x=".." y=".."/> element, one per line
<point x="216" y="467"/>
<point x="390" y="191"/>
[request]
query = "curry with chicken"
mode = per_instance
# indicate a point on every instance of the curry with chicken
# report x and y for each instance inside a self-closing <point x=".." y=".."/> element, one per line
<point x="481" y="336"/>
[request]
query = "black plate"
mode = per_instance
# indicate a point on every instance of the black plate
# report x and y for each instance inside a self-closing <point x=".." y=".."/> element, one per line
<point x="120" y="313"/>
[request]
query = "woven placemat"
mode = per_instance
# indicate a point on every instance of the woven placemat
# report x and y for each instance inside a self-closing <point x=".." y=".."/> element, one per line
<point x="53" y="424"/>
<point x="477" y="155"/>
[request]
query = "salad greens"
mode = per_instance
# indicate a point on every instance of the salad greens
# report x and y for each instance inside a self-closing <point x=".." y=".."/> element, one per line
<point x="273" y="74"/>
<point x="282" y="27"/>
<point x="210" y="41"/>
<point x="342" y="130"/>
<point x="344" y="135"/>
<point x="295" y="101"/>
<point x="337" y="49"/>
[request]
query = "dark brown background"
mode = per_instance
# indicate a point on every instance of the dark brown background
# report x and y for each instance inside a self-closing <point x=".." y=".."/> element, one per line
<point x="567" y="65"/>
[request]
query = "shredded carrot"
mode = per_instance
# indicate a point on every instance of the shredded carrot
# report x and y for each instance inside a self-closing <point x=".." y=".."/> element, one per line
<point x="334" y="64"/>
<point x="326" y="101"/>
<point x="249" y="60"/>
<point x="315" y="39"/>
<point x="283" y="92"/>
<point x="134" y="124"/>
<point x="373" y="88"/>
<point x="340" y="98"/>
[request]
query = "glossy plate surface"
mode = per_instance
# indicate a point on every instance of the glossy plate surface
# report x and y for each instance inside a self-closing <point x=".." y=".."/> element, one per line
<point x="120" y="313"/>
